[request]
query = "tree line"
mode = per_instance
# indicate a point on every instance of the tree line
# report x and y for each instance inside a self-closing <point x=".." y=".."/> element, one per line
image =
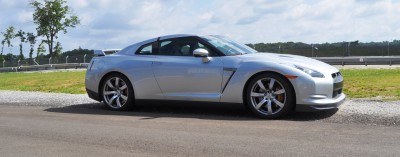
<point x="51" y="18"/>
<point x="336" y="49"/>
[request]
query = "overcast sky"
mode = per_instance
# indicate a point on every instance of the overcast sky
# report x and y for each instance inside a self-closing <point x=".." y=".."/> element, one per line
<point x="118" y="23"/>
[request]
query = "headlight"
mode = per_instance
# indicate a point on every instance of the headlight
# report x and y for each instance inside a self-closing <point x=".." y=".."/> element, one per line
<point x="310" y="72"/>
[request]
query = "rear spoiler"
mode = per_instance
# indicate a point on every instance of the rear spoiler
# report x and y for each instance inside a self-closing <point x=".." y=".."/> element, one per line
<point x="99" y="53"/>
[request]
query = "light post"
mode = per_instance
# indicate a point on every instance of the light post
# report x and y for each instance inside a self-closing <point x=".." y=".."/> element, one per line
<point x="4" y="62"/>
<point x="388" y="48"/>
<point x="18" y="62"/>
<point x="279" y="51"/>
<point x="66" y="59"/>
<point x="348" y="48"/>
<point x="84" y="58"/>
<point x="312" y="50"/>
<point x="50" y="60"/>
<point x="316" y="52"/>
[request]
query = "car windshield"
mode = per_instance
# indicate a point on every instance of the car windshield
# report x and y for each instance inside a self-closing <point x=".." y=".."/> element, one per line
<point x="228" y="46"/>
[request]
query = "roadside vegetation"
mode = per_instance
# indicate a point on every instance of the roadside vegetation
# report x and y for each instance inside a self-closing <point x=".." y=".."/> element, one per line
<point x="58" y="82"/>
<point x="383" y="84"/>
<point x="372" y="83"/>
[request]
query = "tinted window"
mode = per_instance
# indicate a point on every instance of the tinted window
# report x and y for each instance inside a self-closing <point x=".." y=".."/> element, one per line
<point x="146" y="50"/>
<point x="180" y="47"/>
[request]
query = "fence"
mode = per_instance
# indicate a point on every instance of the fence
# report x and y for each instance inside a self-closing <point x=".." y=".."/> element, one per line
<point x="81" y="61"/>
<point x="47" y="60"/>
<point x="361" y="60"/>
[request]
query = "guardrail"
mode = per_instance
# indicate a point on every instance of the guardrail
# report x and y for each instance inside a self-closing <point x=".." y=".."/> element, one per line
<point x="45" y="67"/>
<point x="361" y="60"/>
<point x="353" y="60"/>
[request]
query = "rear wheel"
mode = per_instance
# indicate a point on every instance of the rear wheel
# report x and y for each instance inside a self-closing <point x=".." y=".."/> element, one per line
<point x="117" y="92"/>
<point x="270" y="96"/>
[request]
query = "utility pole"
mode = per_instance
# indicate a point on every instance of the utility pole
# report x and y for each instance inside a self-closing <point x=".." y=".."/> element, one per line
<point x="388" y="47"/>
<point x="348" y="48"/>
<point x="84" y="58"/>
<point x="312" y="50"/>
<point x="66" y="59"/>
<point x="279" y="50"/>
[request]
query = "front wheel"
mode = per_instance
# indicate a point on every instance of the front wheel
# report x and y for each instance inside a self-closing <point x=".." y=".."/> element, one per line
<point x="270" y="96"/>
<point x="117" y="92"/>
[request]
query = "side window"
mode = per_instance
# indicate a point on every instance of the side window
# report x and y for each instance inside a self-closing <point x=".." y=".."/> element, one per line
<point x="146" y="50"/>
<point x="176" y="47"/>
<point x="180" y="47"/>
<point x="185" y="50"/>
<point x="166" y="48"/>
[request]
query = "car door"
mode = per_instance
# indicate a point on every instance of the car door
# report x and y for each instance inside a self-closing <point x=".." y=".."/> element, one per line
<point x="181" y="76"/>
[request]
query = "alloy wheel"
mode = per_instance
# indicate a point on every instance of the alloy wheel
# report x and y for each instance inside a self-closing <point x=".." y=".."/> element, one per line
<point x="268" y="96"/>
<point x="115" y="92"/>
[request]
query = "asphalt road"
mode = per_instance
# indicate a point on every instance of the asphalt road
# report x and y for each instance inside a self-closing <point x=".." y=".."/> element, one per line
<point x="72" y="125"/>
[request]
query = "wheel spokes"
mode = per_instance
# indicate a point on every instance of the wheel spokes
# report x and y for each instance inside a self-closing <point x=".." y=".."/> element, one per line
<point x="118" y="102"/>
<point x="281" y="91"/>
<point x="259" y="82"/>
<point x="110" y="102"/>
<point x="110" y="84"/>
<point x="110" y="92"/>
<point x="269" y="107"/>
<point x="124" y="97"/>
<point x="260" y="104"/>
<point x="123" y="87"/>
<point x="278" y="103"/>
<point x="254" y="94"/>
<point x="115" y="92"/>
<point x="116" y="82"/>
<point x="271" y="83"/>
<point x="268" y="96"/>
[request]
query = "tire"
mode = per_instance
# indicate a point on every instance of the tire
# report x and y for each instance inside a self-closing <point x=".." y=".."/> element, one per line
<point x="117" y="99"/>
<point x="270" y="102"/>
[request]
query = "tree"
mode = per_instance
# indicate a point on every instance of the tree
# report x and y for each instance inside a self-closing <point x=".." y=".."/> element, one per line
<point x="58" y="49"/>
<point x="51" y="18"/>
<point x="31" y="38"/>
<point x="40" y="50"/>
<point x="21" y="35"/>
<point x="8" y="36"/>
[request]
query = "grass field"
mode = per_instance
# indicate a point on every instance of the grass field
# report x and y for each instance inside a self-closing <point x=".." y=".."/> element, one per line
<point x="58" y="82"/>
<point x="359" y="83"/>
<point x="372" y="83"/>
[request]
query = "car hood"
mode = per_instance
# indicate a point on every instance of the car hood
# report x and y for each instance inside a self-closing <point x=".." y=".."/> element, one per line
<point x="290" y="60"/>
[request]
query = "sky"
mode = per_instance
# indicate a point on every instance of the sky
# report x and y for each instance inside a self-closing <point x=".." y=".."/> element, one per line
<point x="107" y="24"/>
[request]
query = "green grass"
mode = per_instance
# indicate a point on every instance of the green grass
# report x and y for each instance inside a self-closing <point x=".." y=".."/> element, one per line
<point x="57" y="82"/>
<point x="359" y="83"/>
<point x="372" y="83"/>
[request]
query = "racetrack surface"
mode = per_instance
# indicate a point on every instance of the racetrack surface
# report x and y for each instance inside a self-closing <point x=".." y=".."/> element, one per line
<point x="49" y="124"/>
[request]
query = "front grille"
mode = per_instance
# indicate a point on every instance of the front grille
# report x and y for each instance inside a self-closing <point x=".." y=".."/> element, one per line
<point x="336" y="93"/>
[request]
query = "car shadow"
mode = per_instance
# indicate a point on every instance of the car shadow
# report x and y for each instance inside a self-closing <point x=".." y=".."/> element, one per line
<point x="211" y="111"/>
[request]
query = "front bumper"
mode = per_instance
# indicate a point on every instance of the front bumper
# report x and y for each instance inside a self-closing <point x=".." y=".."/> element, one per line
<point x="317" y="104"/>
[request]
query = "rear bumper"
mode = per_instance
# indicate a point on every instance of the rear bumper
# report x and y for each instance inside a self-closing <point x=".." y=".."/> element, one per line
<point x="93" y="95"/>
<point x="321" y="104"/>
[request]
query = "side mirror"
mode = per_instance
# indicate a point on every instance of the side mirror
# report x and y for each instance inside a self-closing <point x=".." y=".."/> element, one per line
<point x="98" y="53"/>
<point x="200" y="52"/>
<point x="203" y="53"/>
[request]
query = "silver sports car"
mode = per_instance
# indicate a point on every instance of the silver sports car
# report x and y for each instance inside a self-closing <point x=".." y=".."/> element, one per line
<point x="213" y="69"/>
